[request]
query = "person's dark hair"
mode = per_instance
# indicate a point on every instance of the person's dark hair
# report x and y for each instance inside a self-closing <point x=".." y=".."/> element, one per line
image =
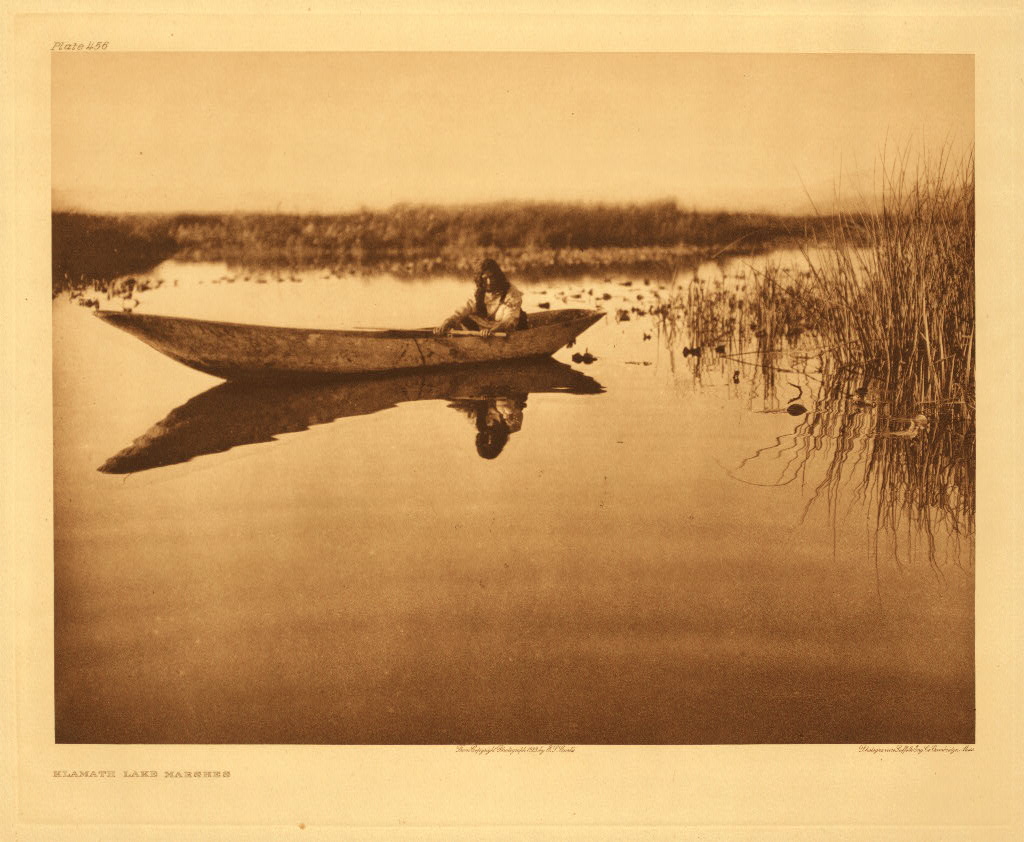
<point x="491" y="441"/>
<point x="489" y="267"/>
<point x="491" y="438"/>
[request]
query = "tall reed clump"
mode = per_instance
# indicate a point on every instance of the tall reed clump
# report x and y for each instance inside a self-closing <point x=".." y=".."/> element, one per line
<point x="893" y="292"/>
<point x="895" y="285"/>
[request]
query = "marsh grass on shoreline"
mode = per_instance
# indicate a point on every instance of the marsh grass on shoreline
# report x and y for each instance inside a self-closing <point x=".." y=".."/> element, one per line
<point x="532" y="240"/>
<point x="890" y="292"/>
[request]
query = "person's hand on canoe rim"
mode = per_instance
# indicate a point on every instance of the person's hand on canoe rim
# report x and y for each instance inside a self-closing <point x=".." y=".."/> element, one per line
<point x="447" y="326"/>
<point x="483" y="326"/>
<point x="489" y="326"/>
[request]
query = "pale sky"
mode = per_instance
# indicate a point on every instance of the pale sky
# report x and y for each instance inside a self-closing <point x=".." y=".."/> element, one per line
<point x="330" y="132"/>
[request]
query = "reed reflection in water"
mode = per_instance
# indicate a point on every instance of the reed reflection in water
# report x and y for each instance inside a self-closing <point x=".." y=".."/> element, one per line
<point x="888" y="440"/>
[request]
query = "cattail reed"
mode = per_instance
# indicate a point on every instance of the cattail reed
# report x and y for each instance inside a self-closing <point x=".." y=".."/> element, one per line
<point x="895" y="286"/>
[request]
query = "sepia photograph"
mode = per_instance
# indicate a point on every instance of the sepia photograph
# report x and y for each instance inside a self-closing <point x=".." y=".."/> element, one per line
<point x="518" y="399"/>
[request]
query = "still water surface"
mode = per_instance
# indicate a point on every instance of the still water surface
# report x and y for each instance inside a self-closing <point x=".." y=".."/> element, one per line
<point x="638" y="563"/>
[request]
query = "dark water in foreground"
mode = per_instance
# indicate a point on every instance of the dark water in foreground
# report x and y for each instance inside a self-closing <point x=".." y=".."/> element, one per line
<point x="644" y="560"/>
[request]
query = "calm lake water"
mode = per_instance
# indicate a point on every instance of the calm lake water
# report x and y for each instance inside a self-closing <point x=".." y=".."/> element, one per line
<point x="649" y="558"/>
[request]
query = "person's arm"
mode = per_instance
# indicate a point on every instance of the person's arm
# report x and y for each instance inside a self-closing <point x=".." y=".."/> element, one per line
<point x="456" y="317"/>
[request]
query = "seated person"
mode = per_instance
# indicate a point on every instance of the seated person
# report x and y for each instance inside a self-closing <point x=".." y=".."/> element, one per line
<point x="496" y="305"/>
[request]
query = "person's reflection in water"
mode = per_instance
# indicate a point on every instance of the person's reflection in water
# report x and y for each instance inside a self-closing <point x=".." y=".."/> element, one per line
<point x="495" y="419"/>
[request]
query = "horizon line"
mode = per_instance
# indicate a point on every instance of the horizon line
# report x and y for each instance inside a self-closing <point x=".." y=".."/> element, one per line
<point x="808" y="210"/>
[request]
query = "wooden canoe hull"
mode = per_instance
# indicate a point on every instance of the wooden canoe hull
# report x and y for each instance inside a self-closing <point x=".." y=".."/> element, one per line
<point x="240" y="351"/>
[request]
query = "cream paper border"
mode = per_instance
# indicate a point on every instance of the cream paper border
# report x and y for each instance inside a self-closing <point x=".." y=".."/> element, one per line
<point x="788" y="792"/>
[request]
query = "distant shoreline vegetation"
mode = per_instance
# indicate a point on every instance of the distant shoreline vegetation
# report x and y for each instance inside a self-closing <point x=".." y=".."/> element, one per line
<point x="531" y="239"/>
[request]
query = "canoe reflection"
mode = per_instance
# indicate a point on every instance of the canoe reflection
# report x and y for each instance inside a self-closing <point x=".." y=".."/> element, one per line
<point x="236" y="413"/>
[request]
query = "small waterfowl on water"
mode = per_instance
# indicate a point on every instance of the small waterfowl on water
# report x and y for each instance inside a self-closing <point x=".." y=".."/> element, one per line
<point x="915" y="426"/>
<point x="794" y="408"/>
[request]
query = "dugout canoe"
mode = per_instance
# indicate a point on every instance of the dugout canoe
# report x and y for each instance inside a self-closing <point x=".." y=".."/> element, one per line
<point x="240" y="413"/>
<point x="245" y="352"/>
